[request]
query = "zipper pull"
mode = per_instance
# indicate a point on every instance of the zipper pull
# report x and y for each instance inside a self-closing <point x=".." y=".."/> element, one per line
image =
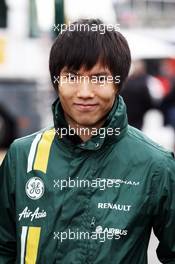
<point x="93" y="222"/>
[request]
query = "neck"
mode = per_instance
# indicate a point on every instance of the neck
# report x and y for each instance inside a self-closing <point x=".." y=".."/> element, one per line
<point x="84" y="132"/>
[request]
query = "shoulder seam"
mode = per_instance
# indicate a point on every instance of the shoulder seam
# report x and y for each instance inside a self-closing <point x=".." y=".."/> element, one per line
<point x="34" y="134"/>
<point x="156" y="145"/>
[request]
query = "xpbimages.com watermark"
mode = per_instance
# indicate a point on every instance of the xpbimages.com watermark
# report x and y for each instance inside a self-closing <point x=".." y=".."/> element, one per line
<point x="77" y="79"/>
<point x="101" y="28"/>
<point x="101" y="184"/>
<point x="85" y="131"/>
<point x="99" y="234"/>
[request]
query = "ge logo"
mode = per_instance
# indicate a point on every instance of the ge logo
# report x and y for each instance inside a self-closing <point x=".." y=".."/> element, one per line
<point x="99" y="229"/>
<point x="34" y="188"/>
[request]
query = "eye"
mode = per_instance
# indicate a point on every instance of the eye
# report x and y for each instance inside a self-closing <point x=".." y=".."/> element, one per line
<point x="72" y="76"/>
<point x="101" y="78"/>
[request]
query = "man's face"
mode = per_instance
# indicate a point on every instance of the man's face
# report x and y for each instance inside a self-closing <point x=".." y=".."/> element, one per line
<point x="87" y="96"/>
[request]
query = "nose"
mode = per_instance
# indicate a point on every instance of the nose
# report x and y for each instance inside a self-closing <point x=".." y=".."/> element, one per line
<point x="85" y="90"/>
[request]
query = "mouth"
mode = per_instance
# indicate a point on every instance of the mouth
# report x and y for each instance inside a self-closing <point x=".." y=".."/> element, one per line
<point x="85" y="107"/>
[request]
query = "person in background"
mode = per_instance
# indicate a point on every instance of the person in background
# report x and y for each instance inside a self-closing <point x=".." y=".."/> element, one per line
<point x="141" y="93"/>
<point x="167" y="105"/>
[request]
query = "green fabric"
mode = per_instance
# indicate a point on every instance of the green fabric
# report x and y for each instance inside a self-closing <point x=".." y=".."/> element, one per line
<point x="140" y="195"/>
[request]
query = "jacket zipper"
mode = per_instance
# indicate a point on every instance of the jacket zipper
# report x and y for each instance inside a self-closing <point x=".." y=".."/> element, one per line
<point x="93" y="222"/>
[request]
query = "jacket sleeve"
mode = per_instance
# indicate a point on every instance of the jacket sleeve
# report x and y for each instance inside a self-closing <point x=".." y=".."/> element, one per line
<point x="7" y="211"/>
<point x="164" y="210"/>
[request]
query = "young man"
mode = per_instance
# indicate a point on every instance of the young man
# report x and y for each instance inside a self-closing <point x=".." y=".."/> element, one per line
<point x="90" y="189"/>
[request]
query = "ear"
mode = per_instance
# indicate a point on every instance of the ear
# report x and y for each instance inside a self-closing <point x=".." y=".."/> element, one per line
<point x="116" y="90"/>
<point x="58" y="90"/>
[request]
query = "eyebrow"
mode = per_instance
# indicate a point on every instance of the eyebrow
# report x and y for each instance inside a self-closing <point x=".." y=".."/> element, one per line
<point x="68" y="71"/>
<point x="101" y="74"/>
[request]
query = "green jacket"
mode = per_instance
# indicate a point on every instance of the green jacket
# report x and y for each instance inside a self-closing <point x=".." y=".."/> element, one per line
<point x="63" y="201"/>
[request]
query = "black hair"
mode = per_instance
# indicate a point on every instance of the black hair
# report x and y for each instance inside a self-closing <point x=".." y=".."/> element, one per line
<point x="77" y="48"/>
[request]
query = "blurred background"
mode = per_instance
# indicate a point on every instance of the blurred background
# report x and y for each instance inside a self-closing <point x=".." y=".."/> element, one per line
<point x="27" y="31"/>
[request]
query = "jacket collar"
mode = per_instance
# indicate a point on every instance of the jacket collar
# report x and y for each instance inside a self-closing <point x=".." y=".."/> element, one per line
<point x="116" y="121"/>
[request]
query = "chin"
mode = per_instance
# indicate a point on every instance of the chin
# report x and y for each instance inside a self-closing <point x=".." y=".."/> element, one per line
<point x="86" y="122"/>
